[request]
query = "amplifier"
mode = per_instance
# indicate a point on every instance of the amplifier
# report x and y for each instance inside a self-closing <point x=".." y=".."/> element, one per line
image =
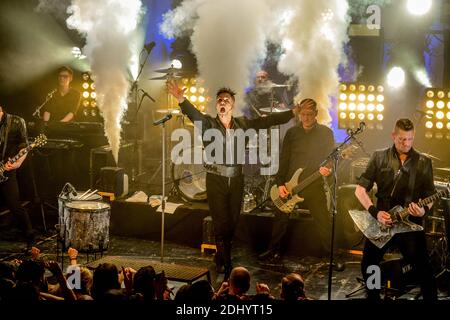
<point x="114" y="179"/>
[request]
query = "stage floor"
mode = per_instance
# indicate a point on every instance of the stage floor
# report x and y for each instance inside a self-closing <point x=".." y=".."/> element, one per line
<point x="316" y="278"/>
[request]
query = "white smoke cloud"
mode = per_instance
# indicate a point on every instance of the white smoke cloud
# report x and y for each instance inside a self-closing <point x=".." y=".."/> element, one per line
<point x="108" y="26"/>
<point x="58" y="8"/>
<point x="317" y="34"/>
<point x="229" y="40"/>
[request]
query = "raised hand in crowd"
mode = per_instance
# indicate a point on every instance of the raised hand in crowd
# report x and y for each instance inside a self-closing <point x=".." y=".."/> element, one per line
<point x="73" y="254"/>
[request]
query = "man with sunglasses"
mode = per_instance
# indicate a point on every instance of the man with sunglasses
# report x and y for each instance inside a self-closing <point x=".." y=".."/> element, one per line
<point x="224" y="180"/>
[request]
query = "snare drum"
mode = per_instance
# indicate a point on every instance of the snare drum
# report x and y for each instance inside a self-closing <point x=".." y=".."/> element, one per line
<point x="67" y="198"/>
<point x="87" y="225"/>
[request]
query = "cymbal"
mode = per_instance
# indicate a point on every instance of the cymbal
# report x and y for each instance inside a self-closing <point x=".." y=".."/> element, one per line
<point x="168" y="70"/>
<point x="167" y="76"/>
<point x="275" y="85"/>
<point x="271" y="110"/>
<point x="443" y="169"/>
<point x="172" y="111"/>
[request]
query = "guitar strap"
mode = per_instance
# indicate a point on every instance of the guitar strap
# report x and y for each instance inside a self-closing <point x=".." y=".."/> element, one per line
<point x="412" y="179"/>
<point x="6" y="132"/>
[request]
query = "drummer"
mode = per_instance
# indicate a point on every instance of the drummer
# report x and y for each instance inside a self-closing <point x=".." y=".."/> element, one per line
<point x="264" y="96"/>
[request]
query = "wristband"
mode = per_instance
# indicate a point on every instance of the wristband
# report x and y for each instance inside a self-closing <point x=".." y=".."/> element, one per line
<point x="373" y="211"/>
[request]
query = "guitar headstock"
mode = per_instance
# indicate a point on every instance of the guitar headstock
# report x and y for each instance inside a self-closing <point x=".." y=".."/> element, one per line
<point x="39" y="141"/>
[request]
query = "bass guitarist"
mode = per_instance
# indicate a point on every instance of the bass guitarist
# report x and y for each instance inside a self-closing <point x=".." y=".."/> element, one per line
<point x="403" y="177"/>
<point x="13" y="137"/>
<point x="305" y="146"/>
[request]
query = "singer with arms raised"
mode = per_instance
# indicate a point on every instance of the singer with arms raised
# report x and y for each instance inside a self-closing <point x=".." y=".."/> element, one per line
<point x="403" y="176"/>
<point x="64" y="101"/>
<point x="225" y="183"/>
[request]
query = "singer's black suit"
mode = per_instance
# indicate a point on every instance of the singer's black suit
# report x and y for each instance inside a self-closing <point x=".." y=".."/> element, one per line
<point x="393" y="181"/>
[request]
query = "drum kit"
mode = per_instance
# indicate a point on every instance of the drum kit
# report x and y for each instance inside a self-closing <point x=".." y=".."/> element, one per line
<point x="83" y="220"/>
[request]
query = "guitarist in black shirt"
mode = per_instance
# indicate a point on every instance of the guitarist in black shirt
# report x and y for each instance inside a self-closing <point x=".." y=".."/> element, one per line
<point x="305" y="146"/>
<point x="403" y="177"/>
<point x="13" y="138"/>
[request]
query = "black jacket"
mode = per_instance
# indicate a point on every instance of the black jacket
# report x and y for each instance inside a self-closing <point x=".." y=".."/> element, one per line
<point x="17" y="135"/>
<point x="385" y="169"/>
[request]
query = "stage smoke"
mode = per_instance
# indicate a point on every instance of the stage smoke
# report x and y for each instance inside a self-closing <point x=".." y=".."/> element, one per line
<point x="108" y="26"/>
<point x="229" y="40"/>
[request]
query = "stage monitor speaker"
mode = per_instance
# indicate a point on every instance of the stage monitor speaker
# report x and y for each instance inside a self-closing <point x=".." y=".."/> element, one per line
<point x="114" y="179"/>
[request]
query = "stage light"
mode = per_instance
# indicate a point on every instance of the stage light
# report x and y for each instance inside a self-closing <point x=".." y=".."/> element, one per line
<point x="448" y="125"/>
<point x="440" y="115"/>
<point x="396" y="77"/>
<point x="86" y="77"/>
<point x="176" y="64"/>
<point x="439" y="135"/>
<point x="430" y="104"/>
<point x="201" y="99"/>
<point x="429" y="124"/>
<point x="85" y="103"/>
<point x="448" y="115"/>
<point x="201" y="90"/>
<point x="429" y="135"/>
<point x="380" y="107"/>
<point x="441" y="95"/>
<point x="85" y="86"/>
<point x="448" y="105"/>
<point x="93" y="86"/>
<point x="380" y="117"/>
<point x="193" y="89"/>
<point x="184" y="81"/>
<point x="439" y="125"/>
<point x="93" y="103"/>
<point x="352" y="104"/>
<point x="193" y="98"/>
<point x="430" y="94"/>
<point x="85" y="94"/>
<point x="440" y="104"/>
<point x="418" y="7"/>
<point x="430" y="114"/>
<point x="93" y="95"/>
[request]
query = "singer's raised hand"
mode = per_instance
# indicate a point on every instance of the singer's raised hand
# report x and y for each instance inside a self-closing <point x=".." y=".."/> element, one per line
<point x="175" y="90"/>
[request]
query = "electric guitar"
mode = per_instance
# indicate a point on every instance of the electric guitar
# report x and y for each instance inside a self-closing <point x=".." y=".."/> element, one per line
<point x="294" y="186"/>
<point x="380" y="234"/>
<point x="39" y="141"/>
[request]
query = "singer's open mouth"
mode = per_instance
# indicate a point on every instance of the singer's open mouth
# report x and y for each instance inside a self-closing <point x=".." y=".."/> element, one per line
<point x="222" y="110"/>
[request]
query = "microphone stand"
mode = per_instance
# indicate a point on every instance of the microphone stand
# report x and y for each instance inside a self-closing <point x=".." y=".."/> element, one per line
<point x="135" y="90"/>
<point x="37" y="112"/>
<point x="334" y="157"/>
<point x="162" y="122"/>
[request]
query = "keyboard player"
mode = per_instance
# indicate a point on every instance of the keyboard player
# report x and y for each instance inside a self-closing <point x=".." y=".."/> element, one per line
<point x="64" y="102"/>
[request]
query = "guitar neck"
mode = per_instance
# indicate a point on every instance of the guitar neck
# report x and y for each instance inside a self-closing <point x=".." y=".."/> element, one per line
<point x="302" y="185"/>
<point x="404" y="213"/>
<point x="21" y="153"/>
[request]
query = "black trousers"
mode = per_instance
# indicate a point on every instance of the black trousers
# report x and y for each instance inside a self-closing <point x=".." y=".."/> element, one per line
<point x="9" y="191"/>
<point x="225" y="200"/>
<point x="413" y="247"/>
<point x="316" y="202"/>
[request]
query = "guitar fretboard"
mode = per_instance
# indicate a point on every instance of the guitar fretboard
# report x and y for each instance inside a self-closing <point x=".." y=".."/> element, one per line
<point x="404" y="213"/>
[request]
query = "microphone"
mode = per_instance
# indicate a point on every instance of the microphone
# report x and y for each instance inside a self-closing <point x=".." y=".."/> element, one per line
<point x="362" y="125"/>
<point x="423" y="113"/>
<point x="145" y="94"/>
<point x="150" y="46"/>
<point x="162" y="120"/>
